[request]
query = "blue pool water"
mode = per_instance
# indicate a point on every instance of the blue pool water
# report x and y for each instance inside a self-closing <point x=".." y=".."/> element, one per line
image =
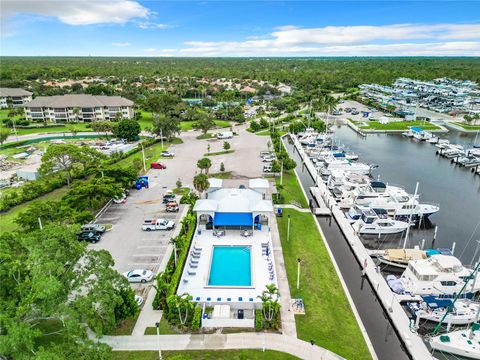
<point x="230" y="266"/>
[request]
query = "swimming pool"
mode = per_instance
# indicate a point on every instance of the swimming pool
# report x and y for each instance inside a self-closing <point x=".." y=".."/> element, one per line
<point x="231" y="266"/>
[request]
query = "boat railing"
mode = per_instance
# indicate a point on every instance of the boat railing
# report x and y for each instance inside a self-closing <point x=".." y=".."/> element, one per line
<point x="430" y="203"/>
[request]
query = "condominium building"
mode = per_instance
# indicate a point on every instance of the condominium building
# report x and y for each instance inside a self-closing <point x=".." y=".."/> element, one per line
<point x="87" y="108"/>
<point x="14" y="97"/>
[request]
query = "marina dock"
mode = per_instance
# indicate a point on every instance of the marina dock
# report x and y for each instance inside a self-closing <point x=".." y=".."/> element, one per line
<point x="414" y="344"/>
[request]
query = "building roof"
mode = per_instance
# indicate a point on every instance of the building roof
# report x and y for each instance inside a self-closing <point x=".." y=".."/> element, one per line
<point x="258" y="184"/>
<point x="14" y="92"/>
<point x="215" y="183"/>
<point x="234" y="201"/>
<point x="78" y="100"/>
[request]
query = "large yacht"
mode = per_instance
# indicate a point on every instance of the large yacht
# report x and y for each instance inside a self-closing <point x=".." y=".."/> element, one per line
<point x="440" y="275"/>
<point x="372" y="223"/>
<point x="331" y="163"/>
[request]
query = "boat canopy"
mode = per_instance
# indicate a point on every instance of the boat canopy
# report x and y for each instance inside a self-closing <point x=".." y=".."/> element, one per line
<point x="434" y="302"/>
<point x="416" y="129"/>
<point x="378" y="184"/>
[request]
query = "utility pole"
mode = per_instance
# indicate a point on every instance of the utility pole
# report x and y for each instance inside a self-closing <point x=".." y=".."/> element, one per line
<point x="158" y="337"/>
<point x="161" y="137"/>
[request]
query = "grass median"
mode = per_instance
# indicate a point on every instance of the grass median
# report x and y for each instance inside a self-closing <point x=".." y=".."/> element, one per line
<point x="290" y="190"/>
<point x="329" y="320"/>
<point x="394" y="125"/>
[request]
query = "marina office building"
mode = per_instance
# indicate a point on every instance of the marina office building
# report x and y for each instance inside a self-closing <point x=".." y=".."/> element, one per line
<point x="231" y="257"/>
<point x="14" y="97"/>
<point x="81" y="107"/>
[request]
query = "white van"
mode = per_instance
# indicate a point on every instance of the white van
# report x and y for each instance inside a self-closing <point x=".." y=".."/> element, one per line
<point x="225" y="135"/>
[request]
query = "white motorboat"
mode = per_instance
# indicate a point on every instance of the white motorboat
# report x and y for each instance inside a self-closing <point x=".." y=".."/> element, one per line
<point x="433" y="140"/>
<point x="460" y="312"/>
<point x="399" y="258"/>
<point x="346" y="181"/>
<point x="464" y="342"/>
<point x="422" y="135"/>
<point x="399" y="204"/>
<point x="328" y="164"/>
<point x="408" y="133"/>
<point x="442" y="143"/>
<point x="440" y="275"/>
<point x="370" y="223"/>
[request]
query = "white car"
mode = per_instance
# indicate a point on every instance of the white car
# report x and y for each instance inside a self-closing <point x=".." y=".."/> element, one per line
<point x="139" y="300"/>
<point x="167" y="154"/>
<point x="138" y="275"/>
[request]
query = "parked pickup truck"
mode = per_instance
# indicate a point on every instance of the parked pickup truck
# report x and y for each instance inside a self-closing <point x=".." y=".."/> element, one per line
<point x="158" y="224"/>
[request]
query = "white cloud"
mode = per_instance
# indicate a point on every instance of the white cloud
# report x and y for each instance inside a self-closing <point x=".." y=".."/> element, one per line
<point x="152" y="25"/>
<point x="77" y="12"/>
<point x="121" y="44"/>
<point x="388" y="40"/>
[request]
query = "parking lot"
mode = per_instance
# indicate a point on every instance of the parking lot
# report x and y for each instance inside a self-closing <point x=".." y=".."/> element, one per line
<point x="133" y="248"/>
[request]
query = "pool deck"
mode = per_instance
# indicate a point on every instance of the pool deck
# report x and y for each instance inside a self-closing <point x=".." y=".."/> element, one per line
<point x="197" y="285"/>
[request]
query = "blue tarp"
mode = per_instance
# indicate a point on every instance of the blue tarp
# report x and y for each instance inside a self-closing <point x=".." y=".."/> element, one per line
<point x="416" y="129"/>
<point x="233" y="219"/>
<point x="435" y="302"/>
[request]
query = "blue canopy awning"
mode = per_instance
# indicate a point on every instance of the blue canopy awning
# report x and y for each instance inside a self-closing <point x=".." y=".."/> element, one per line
<point x="416" y="129"/>
<point x="233" y="219"/>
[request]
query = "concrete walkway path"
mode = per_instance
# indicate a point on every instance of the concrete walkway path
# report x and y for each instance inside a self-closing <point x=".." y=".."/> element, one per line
<point x="287" y="344"/>
<point x="291" y="206"/>
<point x="288" y="319"/>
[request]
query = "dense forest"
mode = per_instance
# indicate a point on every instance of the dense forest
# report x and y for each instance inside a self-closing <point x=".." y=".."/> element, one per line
<point x="335" y="74"/>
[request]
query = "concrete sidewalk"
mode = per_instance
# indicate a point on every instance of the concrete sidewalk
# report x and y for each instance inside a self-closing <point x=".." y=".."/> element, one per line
<point x="287" y="344"/>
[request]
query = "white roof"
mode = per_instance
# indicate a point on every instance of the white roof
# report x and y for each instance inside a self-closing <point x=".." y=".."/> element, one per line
<point x="234" y="201"/>
<point x="215" y="183"/>
<point x="205" y="205"/>
<point x="258" y="184"/>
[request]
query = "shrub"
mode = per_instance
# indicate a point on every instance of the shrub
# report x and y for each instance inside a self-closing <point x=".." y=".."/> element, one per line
<point x="197" y="319"/>
<point x="222" y="167"/>
<point x="258" y="320"/>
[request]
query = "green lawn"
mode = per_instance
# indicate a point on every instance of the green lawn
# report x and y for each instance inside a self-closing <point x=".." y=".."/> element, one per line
<point x="7" y="219"/>
<point x="203" y="355"/>
<point x="396" y="125"/>
<point x="291" y="191"/>
<point x="467" y="126"/>
<point x="4" y="115"/>
<point x="165" y="329"/>
<point x="221" y="175"/>
<point x="329" y="320"/>
<point x="125" y="327"/>
<point x="81" y="127"/>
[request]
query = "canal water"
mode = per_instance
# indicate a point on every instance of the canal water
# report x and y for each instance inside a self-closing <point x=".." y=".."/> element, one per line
<point x="404" y="161"/>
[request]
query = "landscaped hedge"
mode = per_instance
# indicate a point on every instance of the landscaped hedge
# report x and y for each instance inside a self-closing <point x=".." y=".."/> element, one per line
<point x="197" y="318"/>
<point x="258" y="320"/>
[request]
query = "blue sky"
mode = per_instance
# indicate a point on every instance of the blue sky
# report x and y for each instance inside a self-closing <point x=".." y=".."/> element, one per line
<point x="247" y="28"/>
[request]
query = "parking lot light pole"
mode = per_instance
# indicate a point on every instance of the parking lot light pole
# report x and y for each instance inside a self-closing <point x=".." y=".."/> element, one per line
<point x="157" y="324"/>
<point x="298" y="273"/>
<point x="281" y="173"/>
<point x="143" y="156"/>
<point x="288" y="228"/>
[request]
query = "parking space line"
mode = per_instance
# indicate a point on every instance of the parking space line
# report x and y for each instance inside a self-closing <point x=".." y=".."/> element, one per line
<point x="147" y="255"/>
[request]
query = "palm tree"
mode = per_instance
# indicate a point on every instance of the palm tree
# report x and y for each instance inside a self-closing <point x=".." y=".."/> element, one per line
<point x="204" y="164"/>
<point x="270" y="304"/>
<point x="174" y="242"/>
<point x="201" y="183"/>
<point x="182" y="303"/>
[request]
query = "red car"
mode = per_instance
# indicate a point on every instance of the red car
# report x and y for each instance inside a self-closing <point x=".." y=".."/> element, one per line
<point x="157" y="165"/>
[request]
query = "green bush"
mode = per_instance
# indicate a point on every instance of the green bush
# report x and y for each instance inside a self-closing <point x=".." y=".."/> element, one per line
<point x="258" y="320"/>
<point x="197" y="318"/>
